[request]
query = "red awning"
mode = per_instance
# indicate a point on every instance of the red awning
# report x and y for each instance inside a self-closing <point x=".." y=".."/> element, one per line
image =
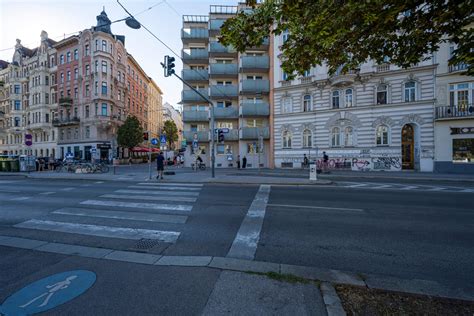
<point x="145" y="150"/>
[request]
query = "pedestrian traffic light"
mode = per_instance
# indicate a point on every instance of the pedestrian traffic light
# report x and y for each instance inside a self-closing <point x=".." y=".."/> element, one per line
<point x="169" y="66"/>
<point x="220" y="136"/>
<point x="145" y="135"/>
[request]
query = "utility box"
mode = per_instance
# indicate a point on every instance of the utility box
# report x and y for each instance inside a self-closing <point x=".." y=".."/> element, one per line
<point x="312" y="172"/>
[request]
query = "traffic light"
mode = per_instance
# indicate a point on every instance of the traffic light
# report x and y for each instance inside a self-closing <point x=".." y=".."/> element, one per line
<point x="169" y="66"/>
<point x="220" y="136"/>
<point x="145" y="135"/>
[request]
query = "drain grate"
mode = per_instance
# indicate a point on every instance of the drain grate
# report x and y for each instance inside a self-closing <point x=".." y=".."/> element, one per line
<point x="144" y="244"/>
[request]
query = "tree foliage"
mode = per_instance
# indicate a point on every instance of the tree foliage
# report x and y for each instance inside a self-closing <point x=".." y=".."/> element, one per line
<point x="130" y="134"/>
<point x="171" y="132"/>
<point x="347" y="33"/>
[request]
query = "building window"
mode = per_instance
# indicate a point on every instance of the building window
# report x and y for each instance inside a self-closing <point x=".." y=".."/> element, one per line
<point x="104" y="67"/>
<point x="68" y="57"/>
<point x="287" y="105"/>
<point x="61" y="59"/>
<point x="104" y="87"/>
<point x="87" y="111"/>
<point x="286" y="139"/>
<point x="104" y="45"/>
<point x="96" y="66"/>
<point x="335" y="99"/>
<point x="96" y="88"/>
<point x="307" y="103"/>
<point x="410" y="91"/>
<point x="76" y="54"/>
<point x="76" y="93"/>
<point x="17" y="121"/>
<point x="104" y="109"/>
<point x="17" y="89"/>
<point x="336" y="137"/>
<point x="307" y="139"/>
<point x="87" y="90"/>
<point x="382" y="135"/>
<point x="348" y="137"/>
<point x="348" y="98"/>
<point x="88" y="132"/>
<point x="285" y="35"/>
<point x="284" y="76"/>
<point x="382" y="94"/>
<point x="68" y="78"/>
<point x="88" y="70"/>
<point x="307" y="73"/>
<point x="17" y="105"/>
<point x="87" y="50"/>
<point x="461" y="95"/>
<point x="62" y="78"/>
<point x="76" y="73"/>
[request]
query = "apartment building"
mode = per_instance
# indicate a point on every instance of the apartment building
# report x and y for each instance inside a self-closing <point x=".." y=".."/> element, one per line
<point x="238" y="84"/>
<point x="4" y="103"/>
<point x="155" y="108"/>
<point x="137" y="85"/>
<point x="376" y="117"/>
<point x="170" y="113"/>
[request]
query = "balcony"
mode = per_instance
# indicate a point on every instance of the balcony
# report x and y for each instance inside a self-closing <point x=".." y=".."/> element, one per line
<point x="191" y="96"/>
<point x="458" y="67"/>
<point x="195" y="35"/>
<point x="216" y="49"/>
<point x="196" y="56"/>
<point x="195" y="75"/>
<point x="460" y="111"/>
<point x="227" y="91"/>
<point x="65" y="101"/>
<point x="223" y="70"/>
<point x="202" y="136"/>
<point x="342" y="79"/>
<point x="233" y="134"/>
<point x="254" y="64"/>
<point x="66" y="121"/>
<point x="226" y="113"/>
<point x="195" y="116"/>
<point x="215" y="26"/>
<point x="258" y="86"/>
<point x="254" y="132"/>
<point x="263" y="46"/>
<point x="254" y="109"/>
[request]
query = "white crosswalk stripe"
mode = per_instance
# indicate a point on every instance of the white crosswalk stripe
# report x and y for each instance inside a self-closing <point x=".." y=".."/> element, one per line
<point x="172" y="184"/>
<point x="157" y="192"/>
<point x="167" y="188"/>
<point x="154" y="206"/>
<point x="403" y="187"/>
<point x="150" y="198"/>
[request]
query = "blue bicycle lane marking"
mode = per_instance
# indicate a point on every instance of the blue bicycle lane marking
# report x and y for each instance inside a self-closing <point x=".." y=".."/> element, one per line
<point x="47" y="293"/>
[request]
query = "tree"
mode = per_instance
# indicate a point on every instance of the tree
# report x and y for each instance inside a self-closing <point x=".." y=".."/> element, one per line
<point x="171" y="132"/>
<point x="130" y="134"/>
<point x="347" y="33"/>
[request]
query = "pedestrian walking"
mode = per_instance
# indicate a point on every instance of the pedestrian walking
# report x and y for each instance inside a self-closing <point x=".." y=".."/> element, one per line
<point x="160" y="165"/>
<point x="244" y="162"/>
<point x="305" y="161"/>
<point x="325" y="162"/>
<point x="41" y="164"/>
<point x="178" y="161"/>
<point x="238" y="162"/>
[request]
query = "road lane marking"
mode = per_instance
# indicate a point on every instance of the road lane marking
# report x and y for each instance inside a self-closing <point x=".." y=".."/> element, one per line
<point x="318" y="207"/>
<point x="157" y="192"/>
<point x="150" y="198"/>
<point x="385" y="186"/>
<point x="136" y="216"/>
<point x="101" y="231"/>
<point x="155" y="206"/>
<point x="172" y="184"/>
<point x="47" y="193"/>
<point x="246" y="240"/>
<point x="67" y="189"/>
<point x="410" y="187"/>
<point x="99" y="182"/>
<point x="356" y="185"/>
<point x="437" y="189"/>
<point x="163" y="188"/>
<point x="21" y="198"/>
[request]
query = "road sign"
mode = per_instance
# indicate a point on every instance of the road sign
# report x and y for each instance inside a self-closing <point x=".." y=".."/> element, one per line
<point x="69" y="155"/>
<point x="163" y="139"/>
<point x="224" y="130"/>
<point x="28" y="139"/>
<point x="195" y="143"/>
<point x="49" y="292"/>
<point x="93" y="150"/>
<point x="154" y="141"/>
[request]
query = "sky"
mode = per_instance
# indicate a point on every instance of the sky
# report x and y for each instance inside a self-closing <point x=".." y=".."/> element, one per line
<point x="25" y="19"/>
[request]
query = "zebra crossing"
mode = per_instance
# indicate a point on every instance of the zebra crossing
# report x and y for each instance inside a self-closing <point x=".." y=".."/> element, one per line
<point x="146" y="204"/>
<point x="404" y="187"/>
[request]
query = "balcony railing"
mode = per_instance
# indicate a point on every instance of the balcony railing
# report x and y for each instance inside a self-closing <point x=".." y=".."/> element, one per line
<point x="65" y="101"/>
<point x="195" y="116"/>
<point x="226" y="113"/>
<point x="195" y="75"/>
<point x="458" y="67"/>
<point x="227" y="91"/>
<point x="233" y="134"/>
<point x="455" y="111"/>
<point x="202" y="136"/>
<point x="223" y="70"/>
<point x="255" y="63"/>
<point x="66" y="121"/>
<point x="215" y="24"/>
<point x="254" y="109"/>
<point x="196" y="55"/>
<point x="191" y="96"/>
<point x="195" y="34"/>
<point x="255" y="86"/>
<point x="217" y="49"/>
<point x="254" y="132"/>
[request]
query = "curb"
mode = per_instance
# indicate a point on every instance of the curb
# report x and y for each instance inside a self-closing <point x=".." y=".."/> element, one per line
<point x="332" y="300"/>
<point x="328" y="276"/>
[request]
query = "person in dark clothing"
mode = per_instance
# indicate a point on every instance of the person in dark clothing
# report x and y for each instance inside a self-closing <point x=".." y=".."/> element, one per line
<point x="244" y="162"/>
<point x="325" y="162"/>
<point x="305" y="161"/>
<point x="238" y="162"/>
<point x="160" y="165"/>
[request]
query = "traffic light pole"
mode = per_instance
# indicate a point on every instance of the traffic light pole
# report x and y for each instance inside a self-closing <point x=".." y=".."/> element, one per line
<point x="213" y="154"/>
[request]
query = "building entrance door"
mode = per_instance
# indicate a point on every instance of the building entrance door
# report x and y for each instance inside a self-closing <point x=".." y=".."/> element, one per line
<point x="408" y="147"/>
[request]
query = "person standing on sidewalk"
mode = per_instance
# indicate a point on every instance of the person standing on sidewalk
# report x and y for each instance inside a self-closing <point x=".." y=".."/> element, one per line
<point x="160" y="165"/>
<point x="244" y="162"/>
<point x="238" y="162"/>
<point x="325" y="162"/>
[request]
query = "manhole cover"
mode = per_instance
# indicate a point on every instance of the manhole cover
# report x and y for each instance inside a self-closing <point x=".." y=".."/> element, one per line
<point x="144" y="244"/>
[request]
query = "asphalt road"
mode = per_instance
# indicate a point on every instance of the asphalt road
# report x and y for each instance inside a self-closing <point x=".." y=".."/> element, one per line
<point x="407" y="230"/>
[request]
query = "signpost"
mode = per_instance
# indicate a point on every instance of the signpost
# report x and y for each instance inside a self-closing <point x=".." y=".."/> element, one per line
<point x="163" y="139"/>
<point x="154" y="141"/>
<point x="28" y="140"/>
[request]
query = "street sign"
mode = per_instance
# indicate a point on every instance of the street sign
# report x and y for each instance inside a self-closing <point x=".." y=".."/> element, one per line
<point x="163" y="139"/>
<point x="49" y="292"/>
<point x="195" y="144"/>
<point x="69" y="155"/>
<point x="93" y="150"/>
<point x="28" y="139"/>
<point x="154" y="141"/>
<point x="224" y="130"/>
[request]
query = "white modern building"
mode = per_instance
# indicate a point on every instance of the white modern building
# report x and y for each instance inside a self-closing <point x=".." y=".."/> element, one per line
<point x="377" y="117"/>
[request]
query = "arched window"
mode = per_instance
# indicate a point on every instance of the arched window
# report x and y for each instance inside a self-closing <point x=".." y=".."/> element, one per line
<point x="286" y="139"/>
<point x="410" y="91"/>
<point x="382" y="94"/>
<point x="348" y="138"/>
<point x="307" y="103"/>
<point x="348" y="98"/>
<point x="381" y="135"/>
<point x="307" y="138"/>
<point x="335" y="99"/>
<point x="336" y="137"/>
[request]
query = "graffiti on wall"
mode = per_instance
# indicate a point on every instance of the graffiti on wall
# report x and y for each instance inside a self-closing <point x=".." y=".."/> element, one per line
<point x="376" y="164"/>
<point x="335" y="163"/>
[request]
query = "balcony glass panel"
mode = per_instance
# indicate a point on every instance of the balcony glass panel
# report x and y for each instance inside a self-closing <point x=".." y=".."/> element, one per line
<point x="202" y="136"/>
<point x="228" y="112"/>
<point x="195" y="33"/>
<point x="255" y="86"/>
<point x="215" y="25"/>
<point x="223" y="69"/>
<point x="254" y="109"/>
<point x="255" y="62"/>
<point x="216" y="47"/>
<point x="190" y="95"/>
<point x="255" y="132"/>
<point x="195" y="116"/>
<point x="224" y="91"/>
<point x="195" y="74"/>
<point x="196" y="54"/>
